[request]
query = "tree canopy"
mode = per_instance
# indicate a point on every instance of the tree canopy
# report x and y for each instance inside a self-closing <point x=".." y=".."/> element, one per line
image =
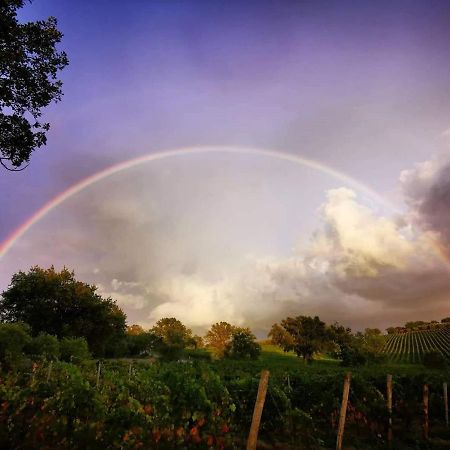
<point x="29" y="64"/>
<point x="174" y="337"/>
<point x="302" y="334"/>
<point x="243" y="345"/>
<point x="56" y="303"/>
<point x="219" y="336"/>
<point x="141" y="342"/>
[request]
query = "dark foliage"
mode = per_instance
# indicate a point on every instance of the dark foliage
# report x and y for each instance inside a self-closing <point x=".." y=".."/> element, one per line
<point x="434" y="360"/>
<point x="56" y="303"/>
<point x="243" y="345"/>
<point x="302" y="334"/>
<point x="29" y="63"/>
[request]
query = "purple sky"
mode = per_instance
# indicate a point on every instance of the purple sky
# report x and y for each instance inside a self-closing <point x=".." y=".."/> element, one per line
<point x="363" y="87"/>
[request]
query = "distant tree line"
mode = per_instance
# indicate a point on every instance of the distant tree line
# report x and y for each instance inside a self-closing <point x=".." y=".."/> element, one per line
<point x="307" y="336"/>
<point x="420" y="325"/>
<point x="50" y="314"/>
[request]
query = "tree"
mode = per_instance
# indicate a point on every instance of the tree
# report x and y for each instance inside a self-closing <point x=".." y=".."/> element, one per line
<point x="56" y="303"/>
<point x="372" y="343"/>
<point x="302" y="334"/>
<point x="198" y="341"/>
<point x="219" y="336"/>
<point x="243" y="345"/>
<point x="363" y="348"/>
<point x="29" y="63"/>
<point x="134" y="330"/>
<point x="415" y="324"/>
<point x="174" y="337"/>
<point x="281" y="337"/>
<point x="140" y="342"/>
<point x="342" y="339"/>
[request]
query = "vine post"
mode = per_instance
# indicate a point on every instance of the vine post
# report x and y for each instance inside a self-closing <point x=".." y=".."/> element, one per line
<point x="389" y="408"/>
<point x="425" y="411"/>
<point x="99" y="368"/>
<point x="342" y="415"/>
<point x="33" y="372"/>
<point x="445" y="403"/>
<point x="49" y="371"/>
<point x="257" y="412"/>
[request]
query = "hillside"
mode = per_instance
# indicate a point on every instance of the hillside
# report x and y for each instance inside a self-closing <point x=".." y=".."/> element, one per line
<point x="410" y="346"/>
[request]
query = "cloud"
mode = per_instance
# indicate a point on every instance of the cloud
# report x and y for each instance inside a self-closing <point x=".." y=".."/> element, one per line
<point x="354" y="241"/>
<point x="197" y="301"/>
<point x="194" y="247"/>
<point x="426" y="189"/>
<point x="358" y="268"/>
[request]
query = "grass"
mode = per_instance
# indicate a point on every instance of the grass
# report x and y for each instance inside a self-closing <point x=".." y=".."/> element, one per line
<point x="277" y="361"/>
<point x="280" y="363"/>
<point x="274" y="357"/>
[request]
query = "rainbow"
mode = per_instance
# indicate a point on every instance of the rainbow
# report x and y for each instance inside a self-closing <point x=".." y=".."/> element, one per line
<point x="9" y="242"/>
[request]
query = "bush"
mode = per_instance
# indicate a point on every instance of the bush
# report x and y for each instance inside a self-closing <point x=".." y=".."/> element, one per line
<point x="169" y="352"/>
<point x="434" y="360"/>
<point x="13" y="339"/>
<point x="116" y="348"/>
<point x="199" y="354"/>
<point x="44" y="345"/>
<point x="74" y="349"/>
<point x="352" y="356"/>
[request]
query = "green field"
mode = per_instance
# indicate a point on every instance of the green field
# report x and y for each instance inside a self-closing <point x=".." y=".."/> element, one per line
<point x="410" y="347"/>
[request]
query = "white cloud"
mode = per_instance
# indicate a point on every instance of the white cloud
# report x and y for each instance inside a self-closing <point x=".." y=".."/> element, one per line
<point x="354" y="241"/>
<point x="194" y="301"/>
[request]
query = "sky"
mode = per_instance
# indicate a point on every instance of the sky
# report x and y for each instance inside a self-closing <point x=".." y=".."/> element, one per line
<point x="362" y="89"/>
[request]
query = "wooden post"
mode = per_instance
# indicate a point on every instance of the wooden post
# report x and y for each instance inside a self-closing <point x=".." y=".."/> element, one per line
<point x="389" y="407"/>
<point x="98" y="373"/>
<point x="49" y="371"/>
<point x="425" y="411"/>
<point x="33" y="372"/>
<point x="257" y="412"/>
<point x="446" y="404"/>
<point x="342" y="415"/>
<point x="129" y="371"/>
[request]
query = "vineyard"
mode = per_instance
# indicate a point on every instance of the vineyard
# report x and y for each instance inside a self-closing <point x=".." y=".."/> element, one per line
<point x="411" y="346"/>
<point x="132" y="404"/>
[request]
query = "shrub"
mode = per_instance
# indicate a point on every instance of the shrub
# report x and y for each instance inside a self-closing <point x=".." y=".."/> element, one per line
<point x="13" y="339"/>
<point x="200" y="354"/>
<point x="434" y="360"/>
<point x="44" y="345"/>
<point x="352" y="356"/>
<point x="74" y="349"/>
